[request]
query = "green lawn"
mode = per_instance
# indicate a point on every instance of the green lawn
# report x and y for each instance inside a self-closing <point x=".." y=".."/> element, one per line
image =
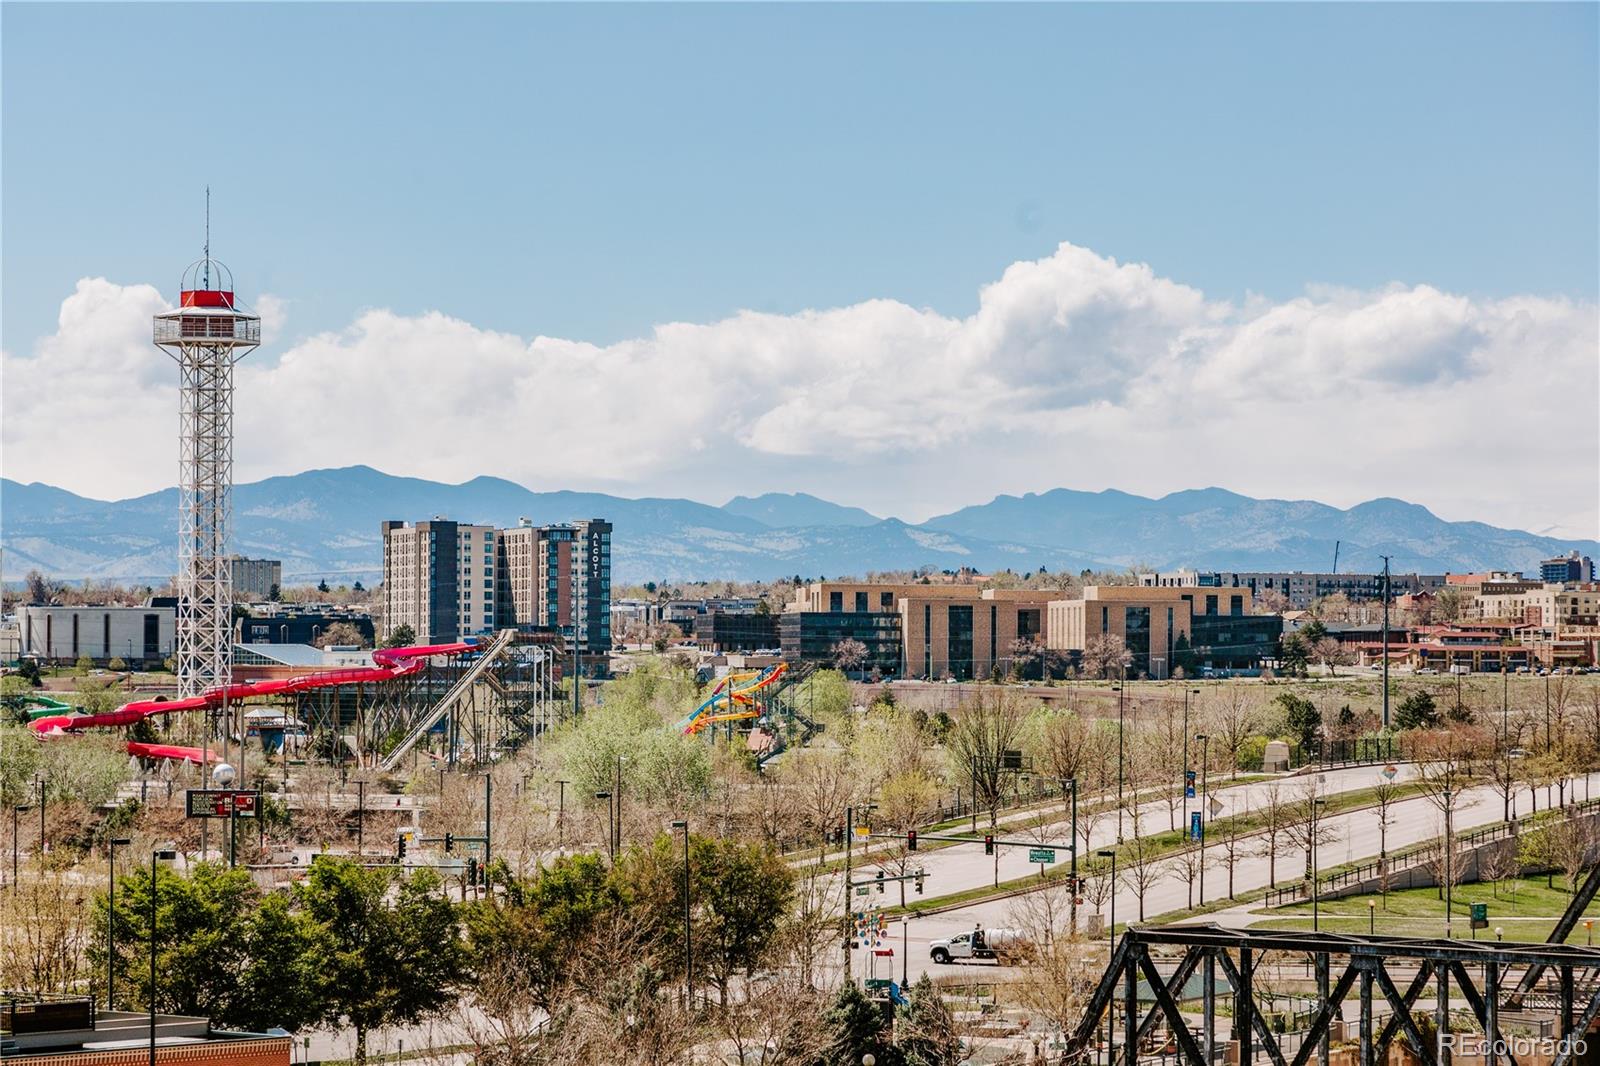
<point x="1525" y="909"/>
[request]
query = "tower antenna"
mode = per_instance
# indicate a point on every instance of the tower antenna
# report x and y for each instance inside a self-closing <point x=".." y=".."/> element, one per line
<point x="207" y="281"/>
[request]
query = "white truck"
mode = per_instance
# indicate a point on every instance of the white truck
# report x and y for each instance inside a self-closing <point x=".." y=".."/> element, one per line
<point x="979" y="944"/>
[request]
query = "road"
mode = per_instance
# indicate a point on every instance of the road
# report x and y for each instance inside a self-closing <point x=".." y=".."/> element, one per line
<point x="965" y="866"/>
<point x="1355" y="836"/>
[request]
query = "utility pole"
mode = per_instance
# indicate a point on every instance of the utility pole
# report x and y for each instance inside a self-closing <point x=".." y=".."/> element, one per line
<point x="1386" y="641"/>
<point x="1121" y="732"/>
<point x="488" y="819"/>
<point x="1073" y="907"/>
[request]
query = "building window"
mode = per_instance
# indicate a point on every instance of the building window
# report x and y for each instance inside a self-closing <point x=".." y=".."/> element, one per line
<point x="1105" y="619"/>
<point x="886" y="601"/>
<point x="1211" y="605"/>
<point x="1236" y="605"/>
<point x="959" y="648"/>
<point x="835" y="602"/>
<point x="861" y="601"/>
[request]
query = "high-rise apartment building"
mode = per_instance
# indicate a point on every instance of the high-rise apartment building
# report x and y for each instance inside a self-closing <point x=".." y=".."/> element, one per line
<point x="558" y="578"/>
<point x="439" y="579"/>
<point x="447" y="580"/>
<point x="254" y="579"/>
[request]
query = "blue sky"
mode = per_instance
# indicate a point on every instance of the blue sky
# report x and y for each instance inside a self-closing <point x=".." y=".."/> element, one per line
<point x="590" y="173"/>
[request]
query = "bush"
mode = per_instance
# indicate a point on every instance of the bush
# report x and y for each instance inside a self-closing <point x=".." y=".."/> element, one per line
<point x="118" y="664"/>
<point x="1251" y="754"/>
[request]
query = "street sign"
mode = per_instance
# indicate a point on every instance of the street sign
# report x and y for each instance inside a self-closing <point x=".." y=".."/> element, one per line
<point x="1390" y="770"/>
<point x="219" y="803"/>
<point x="863" y="831"/>
<point x="1041" y="854"/>
<point x="863" y="890"/>
<point x="1188" y="792"/>
<point x="1196" y="826"/>
<point x="1215" y="806"/>
<point x="877" y="983"/>
<point x="1480" y="916"/>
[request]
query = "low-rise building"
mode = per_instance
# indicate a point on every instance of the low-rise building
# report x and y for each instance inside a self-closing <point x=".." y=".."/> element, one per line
<point x="71" y="1031"/>
<point x="136" y="635"/>
<point x="299" y="624"/>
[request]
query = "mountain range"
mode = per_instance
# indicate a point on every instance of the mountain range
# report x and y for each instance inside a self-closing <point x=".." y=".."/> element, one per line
<point x="324" y="523"/>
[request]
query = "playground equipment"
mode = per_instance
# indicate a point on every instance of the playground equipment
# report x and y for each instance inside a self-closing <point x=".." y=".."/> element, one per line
<point x="391" y="663"/>
<point x="733" y="699"/>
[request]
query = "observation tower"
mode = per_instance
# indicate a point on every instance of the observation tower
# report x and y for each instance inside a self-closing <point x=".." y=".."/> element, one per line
<point x="205" y="335"/>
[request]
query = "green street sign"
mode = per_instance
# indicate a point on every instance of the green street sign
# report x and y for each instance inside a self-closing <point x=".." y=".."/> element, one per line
<point x="863" y="890"/>
<point x="1480" y="916"/>
<point x="1041" y="854"/>
<point x="877" y="982"/>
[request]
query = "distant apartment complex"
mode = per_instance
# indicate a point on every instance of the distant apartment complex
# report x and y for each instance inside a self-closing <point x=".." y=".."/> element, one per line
<point x="448" y="580"/>
<point x="1301" y="590"/>
<point x="1569" y="567"/>
<point x="254" y="579"/>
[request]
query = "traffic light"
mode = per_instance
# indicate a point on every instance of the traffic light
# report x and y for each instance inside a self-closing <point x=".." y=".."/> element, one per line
<point x="919" y="884"/>
<point x="911" y="840"/>
<point x="449" y="842"/>
<point x="472" y="870"/>
<point x="880" y="882"/>
<point x="400" y="847"/>
<point x="988" y="845"/>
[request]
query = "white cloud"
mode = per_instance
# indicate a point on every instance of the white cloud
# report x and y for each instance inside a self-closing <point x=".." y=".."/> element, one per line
<point x="1075" y="370"/>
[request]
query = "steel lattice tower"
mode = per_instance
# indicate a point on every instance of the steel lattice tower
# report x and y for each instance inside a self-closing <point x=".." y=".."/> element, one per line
<point x="205" y="335"/>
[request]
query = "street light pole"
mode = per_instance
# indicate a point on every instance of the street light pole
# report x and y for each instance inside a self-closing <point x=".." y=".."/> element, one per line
<point x="153" y="855"/>
<point x="1205" y="747"/>
<point x="688" y="942"/>
<point x="1449" y="845"/>
<point x="849" y="833"/>
<point x="1316" y="821"/>
<point x="1121" y="731"/>
<point x="111" y="917"/>
<point x="361" y="819"/>
<point x="1385" y="559"/>
<point x="1111" y="950"/>
<point x="1073" y="906"/>
<point x="561" y="814"/>
<point x="16" y="838"/>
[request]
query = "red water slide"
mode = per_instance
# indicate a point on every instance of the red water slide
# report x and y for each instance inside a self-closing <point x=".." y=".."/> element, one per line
<point x="391" y="663"/>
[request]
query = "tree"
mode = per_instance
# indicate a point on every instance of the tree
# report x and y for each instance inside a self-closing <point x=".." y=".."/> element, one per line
<point x="38" y="588"/>
<point x="1303" y="720"/>
<point x="341" y="633"/>
<point x="401" y="636"/>
<point x="982" y="736"/>
<point x="117" y="663"/>
<point x="848" y="655"/>
<point x="274" y="594"/>
<point x="856" y="1027"/>
<point x="824" y="786"/>
<point x="1105" y="655"/>
<point x="387" y="962"/>
<point x="740" y="892"/>
<point x="1293" y="654"/>
<point x="1330" y="654"/>
<point x="925" y="1030"/>
<point x="224" y="950"/>
<point x="322" y="586"/>
<point x="1416" y="711"/>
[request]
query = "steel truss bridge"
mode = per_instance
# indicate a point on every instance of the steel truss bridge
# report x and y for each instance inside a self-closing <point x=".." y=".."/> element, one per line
<point x="1557" y="986"/>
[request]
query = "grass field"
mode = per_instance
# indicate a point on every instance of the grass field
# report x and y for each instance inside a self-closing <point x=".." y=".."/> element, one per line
<point x="1524" y="909"/>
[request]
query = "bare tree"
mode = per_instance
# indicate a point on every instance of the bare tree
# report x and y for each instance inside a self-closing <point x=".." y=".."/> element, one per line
<point x="848" y="655"/>
<point x="1105" y="655"/>
<point x="1276" y="815"/>
<point x="984" y="739"/>
<point x="1141" y="867"/>
<point x="823" y="787"/>
<point x="1236" y="717"/>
